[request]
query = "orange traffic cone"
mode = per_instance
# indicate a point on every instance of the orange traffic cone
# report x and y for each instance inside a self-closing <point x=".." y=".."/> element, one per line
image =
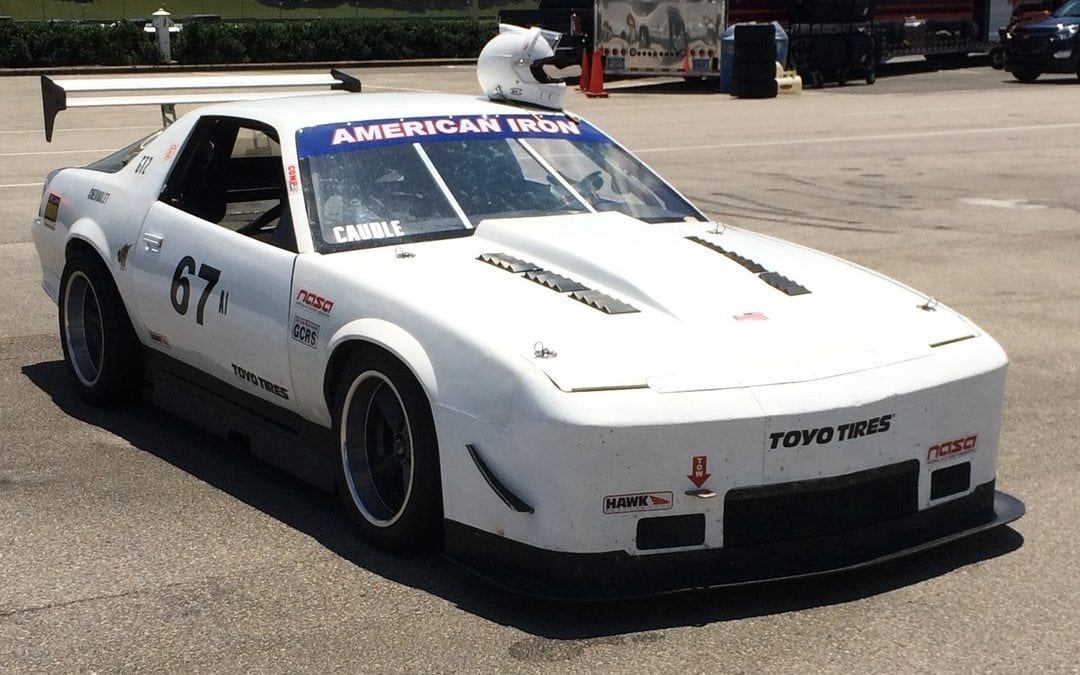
<point x="596" y="77"/>
<point x="686" y="62"/>
<point x="583" y="82"/>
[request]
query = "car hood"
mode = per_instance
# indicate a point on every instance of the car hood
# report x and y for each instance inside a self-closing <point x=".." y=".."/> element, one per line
<point x="1047" y="26"/>
<point x="713" y="307"/>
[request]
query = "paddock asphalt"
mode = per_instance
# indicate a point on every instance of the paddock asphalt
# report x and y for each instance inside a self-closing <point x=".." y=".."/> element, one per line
<point x="134" y="542"/>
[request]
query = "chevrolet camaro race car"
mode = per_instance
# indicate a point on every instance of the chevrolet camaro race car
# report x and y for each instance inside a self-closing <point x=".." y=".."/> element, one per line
<point x="501" y="336"/>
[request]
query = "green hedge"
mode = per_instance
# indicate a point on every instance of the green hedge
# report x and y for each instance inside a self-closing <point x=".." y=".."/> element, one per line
<point x="24" y="45"/>
<point x="65" y="44"/>
<point x="330" y="40"/>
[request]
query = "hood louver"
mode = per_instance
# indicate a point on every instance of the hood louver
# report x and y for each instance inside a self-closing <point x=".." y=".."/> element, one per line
<point x="578" y="291"/>
<point x="774" y="279"/>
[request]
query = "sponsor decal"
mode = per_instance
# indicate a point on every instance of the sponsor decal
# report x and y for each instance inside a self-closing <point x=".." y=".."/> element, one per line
<point x="122" y="255"/>
<point x="306" y="298"/>
<point x="143" y="164"/>
<point x="750" y="316"/>
<point x="170" y="152"/>
<point x="259" y="382"/>
<point x="833" y="434"/>
<point x="52" y="210"/>
<point x="378" y="229"/>
<point x="293" y="179"/>
<point x="99" y="196"/>
<point x="330" y="138"/>
<point x="640" y="501"/>
<point x="699" y="470"/>
<point x="950" y="449"/>
<point x="305" y="332"/>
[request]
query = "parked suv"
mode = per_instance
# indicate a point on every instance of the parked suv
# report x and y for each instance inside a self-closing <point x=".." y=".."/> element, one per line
<point x="1051" y="45"/>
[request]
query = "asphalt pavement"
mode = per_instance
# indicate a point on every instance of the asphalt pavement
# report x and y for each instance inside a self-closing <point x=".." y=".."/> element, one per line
<point x="131" y="541"/>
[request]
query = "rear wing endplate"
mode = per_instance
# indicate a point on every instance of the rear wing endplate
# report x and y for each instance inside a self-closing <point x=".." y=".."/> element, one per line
<point x="54" y="93"/>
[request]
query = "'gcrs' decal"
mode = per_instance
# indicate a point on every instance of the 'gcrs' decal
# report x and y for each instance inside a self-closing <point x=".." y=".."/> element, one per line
<point x="305" y="332"/>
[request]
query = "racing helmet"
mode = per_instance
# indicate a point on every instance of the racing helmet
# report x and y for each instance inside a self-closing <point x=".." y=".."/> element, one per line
<point x="511" y="67"/>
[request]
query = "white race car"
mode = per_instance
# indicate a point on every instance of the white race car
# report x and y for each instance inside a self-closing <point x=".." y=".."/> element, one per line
<point x="500" y="335"/>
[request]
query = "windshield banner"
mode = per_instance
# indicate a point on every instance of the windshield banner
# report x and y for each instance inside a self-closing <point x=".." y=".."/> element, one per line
<point x="333" y="138"/>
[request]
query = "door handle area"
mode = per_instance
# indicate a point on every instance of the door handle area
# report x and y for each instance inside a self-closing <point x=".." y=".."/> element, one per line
<point x="153" y="242"/>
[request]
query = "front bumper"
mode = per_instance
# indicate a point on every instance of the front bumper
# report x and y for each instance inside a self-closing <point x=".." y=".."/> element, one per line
<point x="1045" y="57"/>
<point x="539" y="572"/>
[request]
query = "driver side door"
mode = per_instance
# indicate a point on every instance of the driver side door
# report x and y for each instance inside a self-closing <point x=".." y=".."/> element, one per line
<point x="215" y="291"/>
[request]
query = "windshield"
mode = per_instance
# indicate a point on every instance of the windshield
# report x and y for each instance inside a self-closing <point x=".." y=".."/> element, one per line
<point x="394" y="181"/>
<point x="1071" y="8"/>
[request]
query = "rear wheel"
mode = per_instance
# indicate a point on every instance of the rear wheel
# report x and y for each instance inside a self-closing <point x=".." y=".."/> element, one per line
<point x="1026" y="75"/>
<point x="101" y="351"/>
<point x="388" y="459"/>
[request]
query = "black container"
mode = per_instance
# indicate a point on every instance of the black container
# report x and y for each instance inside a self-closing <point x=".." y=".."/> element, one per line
<point x="754" y="74"/>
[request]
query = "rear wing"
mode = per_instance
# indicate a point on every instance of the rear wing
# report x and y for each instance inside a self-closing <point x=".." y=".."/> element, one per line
<point x="54" y="93"/>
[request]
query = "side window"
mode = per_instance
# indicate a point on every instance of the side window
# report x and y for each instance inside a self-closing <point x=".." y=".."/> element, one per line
<point x="230" y="174"/>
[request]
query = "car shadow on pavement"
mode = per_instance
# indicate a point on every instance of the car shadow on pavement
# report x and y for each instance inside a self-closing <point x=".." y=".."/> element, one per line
<point x="556" y="625"/>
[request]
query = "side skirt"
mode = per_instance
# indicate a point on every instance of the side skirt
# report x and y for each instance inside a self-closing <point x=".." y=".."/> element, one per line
<point x="273" y="434"/>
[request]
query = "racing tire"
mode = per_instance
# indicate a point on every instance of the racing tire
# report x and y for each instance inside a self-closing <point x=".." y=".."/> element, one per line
<point x="101" y="351"/>
<point x="1026" y="76"/>
<point x="387" y="455"/>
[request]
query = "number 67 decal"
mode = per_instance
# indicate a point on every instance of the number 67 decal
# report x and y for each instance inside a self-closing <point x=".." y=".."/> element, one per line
<point x="180" y="293"/>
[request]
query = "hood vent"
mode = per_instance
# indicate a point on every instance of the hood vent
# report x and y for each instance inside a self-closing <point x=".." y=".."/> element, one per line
<point x="603" y="302"/>
<point x="555" y="282"/>
<point x="558" y="283"/>
<point x="507" y="262"/>
<point x="774" y="279"/>
<point x="777" y="280"/>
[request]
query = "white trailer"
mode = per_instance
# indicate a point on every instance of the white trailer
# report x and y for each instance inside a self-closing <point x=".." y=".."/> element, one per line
<point x="680" y="37"/>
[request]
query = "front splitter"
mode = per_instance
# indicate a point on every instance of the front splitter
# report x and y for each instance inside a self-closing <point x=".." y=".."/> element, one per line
<point x="530" y="570"/>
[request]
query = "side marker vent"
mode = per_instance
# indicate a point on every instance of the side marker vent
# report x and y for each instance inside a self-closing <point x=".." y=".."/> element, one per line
<point x="497" y="486"/>
<point x="558" y="283"/>
<point x="774" y="279"/>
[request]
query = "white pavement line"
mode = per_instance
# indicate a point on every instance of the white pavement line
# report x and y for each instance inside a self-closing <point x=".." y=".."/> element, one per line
<point x="855" y="139"/>
<point x="22" y="185"/>
<point x="56" y="152"/>
<point x="42" y="131"/>
<point x="919" y="111"/>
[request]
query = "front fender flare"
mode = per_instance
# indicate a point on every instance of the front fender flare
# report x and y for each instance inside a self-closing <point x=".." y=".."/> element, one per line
<point x="394" y="339"/>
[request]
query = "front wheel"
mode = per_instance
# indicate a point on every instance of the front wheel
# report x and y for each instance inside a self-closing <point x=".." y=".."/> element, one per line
<point x="997" y="58"/>
<point x="1026" y="76"/>
<point x="101" y="351"/>
<point x="388" y="458"/>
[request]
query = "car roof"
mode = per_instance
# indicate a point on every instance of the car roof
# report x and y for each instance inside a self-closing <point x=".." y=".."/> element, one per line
<point x="297" y="112"/>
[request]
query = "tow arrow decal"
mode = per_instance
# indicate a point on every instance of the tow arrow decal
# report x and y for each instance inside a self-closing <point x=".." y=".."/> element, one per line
<point x="699" y="472"/>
